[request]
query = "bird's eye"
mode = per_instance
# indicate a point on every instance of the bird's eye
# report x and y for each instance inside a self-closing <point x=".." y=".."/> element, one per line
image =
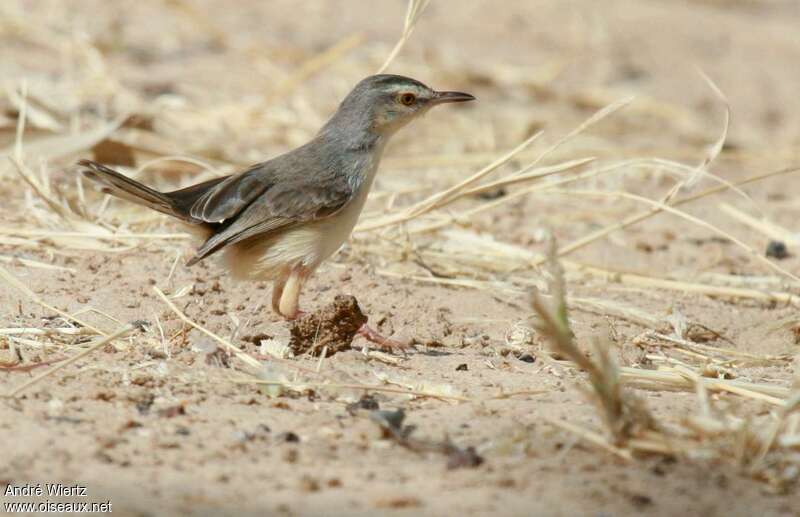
<point x="407" y="99"/>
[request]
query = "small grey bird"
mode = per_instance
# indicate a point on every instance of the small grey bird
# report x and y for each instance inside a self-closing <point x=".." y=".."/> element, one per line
<point x="280" y="219"/>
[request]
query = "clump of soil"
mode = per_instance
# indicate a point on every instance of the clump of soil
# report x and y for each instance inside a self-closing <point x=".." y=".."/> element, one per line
<point x="334" y="326"/>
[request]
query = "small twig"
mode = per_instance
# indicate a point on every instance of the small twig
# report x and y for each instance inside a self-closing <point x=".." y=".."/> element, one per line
<point x="13" y="367"/>
<point x="592" y="437"/>
<point x="365" y="387"/>
<point x="519" y="393"/>
<point x="14" y="282"/>
<point x="245" y="358"/>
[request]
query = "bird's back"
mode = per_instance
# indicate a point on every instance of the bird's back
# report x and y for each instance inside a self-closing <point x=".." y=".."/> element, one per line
<point x="311" y="182"/>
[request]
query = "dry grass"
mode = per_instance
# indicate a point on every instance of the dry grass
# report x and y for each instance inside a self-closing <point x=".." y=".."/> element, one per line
<point x="624" y="415"/>
<point x="437" y="238"/>
<point x="763" y="443"/>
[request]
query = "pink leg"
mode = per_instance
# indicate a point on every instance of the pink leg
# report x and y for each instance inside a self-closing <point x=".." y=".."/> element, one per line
<point x="277" y="290"/>
<point x="289" y="303"/>
<point x="383" y="342"/>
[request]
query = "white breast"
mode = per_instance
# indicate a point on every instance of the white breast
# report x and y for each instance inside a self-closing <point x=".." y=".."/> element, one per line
<point x="334" y="231"/>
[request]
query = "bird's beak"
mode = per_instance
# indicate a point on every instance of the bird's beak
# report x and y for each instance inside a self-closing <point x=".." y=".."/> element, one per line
<point x="442" y="97"/>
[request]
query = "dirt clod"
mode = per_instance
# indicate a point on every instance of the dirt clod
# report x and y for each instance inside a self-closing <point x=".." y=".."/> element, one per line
<point x="333" y="326"/>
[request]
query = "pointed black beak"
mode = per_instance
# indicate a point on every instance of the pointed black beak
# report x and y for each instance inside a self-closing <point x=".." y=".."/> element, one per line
<point x="442" y="97"/>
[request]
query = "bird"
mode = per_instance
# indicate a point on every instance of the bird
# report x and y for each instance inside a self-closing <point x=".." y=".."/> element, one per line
<point x="278" y="220"/>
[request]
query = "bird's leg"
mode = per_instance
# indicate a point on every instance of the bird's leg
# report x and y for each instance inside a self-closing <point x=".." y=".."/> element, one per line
<point x="277" y="290"/>
<point x="286" y="301"/>
<point x="289" y="304"/>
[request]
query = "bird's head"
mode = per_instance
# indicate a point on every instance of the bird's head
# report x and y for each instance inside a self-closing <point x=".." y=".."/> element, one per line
<point x="384" y="103"/>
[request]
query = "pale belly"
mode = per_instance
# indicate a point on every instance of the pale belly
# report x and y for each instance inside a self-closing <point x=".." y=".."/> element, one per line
<point x="331" y="234"/>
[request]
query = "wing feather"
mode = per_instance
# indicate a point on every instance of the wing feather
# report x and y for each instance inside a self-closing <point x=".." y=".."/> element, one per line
<point x="231" y="196"/>
<point x="243" y="214"/>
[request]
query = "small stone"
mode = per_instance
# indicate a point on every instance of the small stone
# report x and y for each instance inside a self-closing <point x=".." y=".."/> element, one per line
<point x="463" y="458"/>
<point x="527" y="358"/>
<point x="366" y="402"/>
<point x="777" y="250"/>
<point x="289" y="437"/>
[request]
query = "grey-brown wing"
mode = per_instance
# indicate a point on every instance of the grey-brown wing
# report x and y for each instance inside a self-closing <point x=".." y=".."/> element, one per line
<point x="233" y="195"/>
<point x="290" y="201"/>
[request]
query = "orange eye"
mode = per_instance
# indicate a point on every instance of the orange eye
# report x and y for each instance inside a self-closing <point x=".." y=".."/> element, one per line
<point x="407" y="99"/>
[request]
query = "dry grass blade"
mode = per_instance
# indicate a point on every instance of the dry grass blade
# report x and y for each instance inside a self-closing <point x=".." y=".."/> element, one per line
<point x="99" y="344"/>
<point x="708" y="434"/>
<point x="106" y="235"/>
<point x="637" y="218"/>
<point x="665" y="340"/>
<point x="224" y="342"/>
<point x="440" y="198"/>
<point x="672" y="378"/>
<point x="23" y="117"/>
<point x="592" y="437"/>
<point x="594" y="119"/>
<point x="688" y="217"/>
<point x="624" y="415"/>
<point x="317" y="63"/>
<point x="39" y="189"/>
<point x="767" y="228"/>
<point x="526" y="173"/>
<point x="15" y="283"/>
<point x="413" y="13"/>
<point x="38" y="117"/>
<point x="689" y="287"/>
<point x="59" y="146"/>
<point x="32" y="331"/>
<point x="535" y="174"/>
<point x="617" y="167"/>
<point x="716" y="149"/>
<point x="366" y="387"/>
<point x="34" y="264"/>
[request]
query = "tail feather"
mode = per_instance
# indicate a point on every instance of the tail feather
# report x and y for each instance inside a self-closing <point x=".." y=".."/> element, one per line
<point x="177" y="203"/>
<point x="123" y="187"/>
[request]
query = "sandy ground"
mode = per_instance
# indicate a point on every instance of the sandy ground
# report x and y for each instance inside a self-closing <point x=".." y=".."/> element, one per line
<point x="158" y="425"/>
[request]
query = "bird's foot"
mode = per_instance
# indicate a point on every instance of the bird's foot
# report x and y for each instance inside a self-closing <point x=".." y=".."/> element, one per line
<point x="383" y="342"/>
<point x="296" y="316"/>
<point x="370" y="334"/>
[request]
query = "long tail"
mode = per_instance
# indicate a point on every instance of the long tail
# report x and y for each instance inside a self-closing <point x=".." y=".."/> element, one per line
<point x="177" y="203"/>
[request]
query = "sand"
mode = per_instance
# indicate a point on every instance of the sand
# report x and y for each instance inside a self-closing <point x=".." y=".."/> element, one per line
<point x="166" y="421"/>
